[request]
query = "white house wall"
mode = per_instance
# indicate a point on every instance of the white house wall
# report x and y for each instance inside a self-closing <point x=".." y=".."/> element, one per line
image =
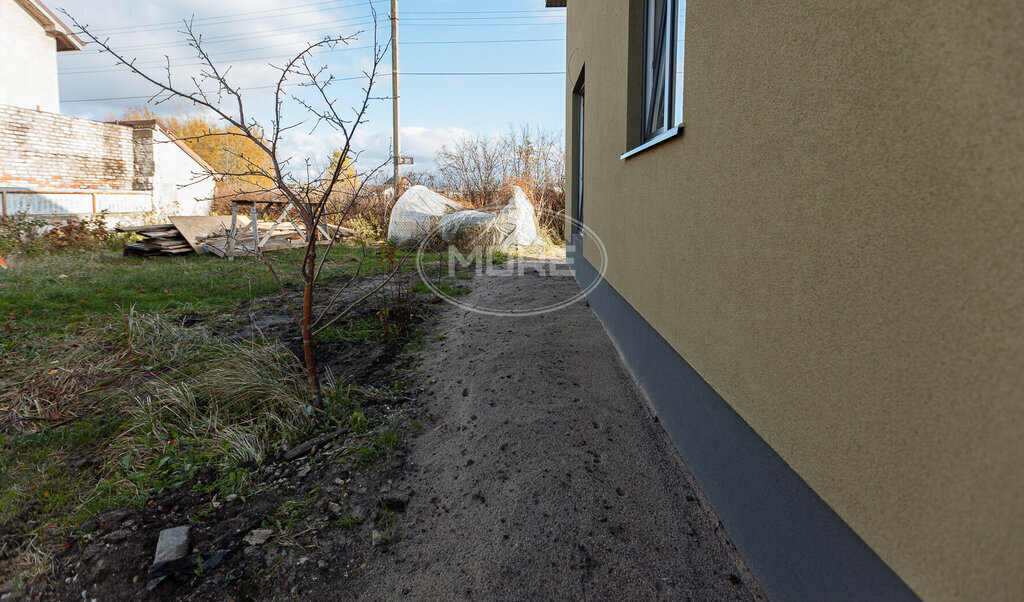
<point x="180" y="184"/>
<point x="28" y="61"/>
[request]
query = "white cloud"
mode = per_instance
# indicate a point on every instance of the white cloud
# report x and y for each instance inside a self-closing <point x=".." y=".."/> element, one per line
<point x="420" y="143"/>
<point x="243" y="35"/>
<point x="372" y="146"/>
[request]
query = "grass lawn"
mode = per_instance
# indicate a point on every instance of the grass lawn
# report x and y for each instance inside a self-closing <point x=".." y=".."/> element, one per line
<point x="107" y="397"/>
<point x="46" y="294"/>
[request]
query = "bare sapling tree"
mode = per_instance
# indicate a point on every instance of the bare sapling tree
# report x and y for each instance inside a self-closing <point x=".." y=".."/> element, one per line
<point x="312" y="189"/>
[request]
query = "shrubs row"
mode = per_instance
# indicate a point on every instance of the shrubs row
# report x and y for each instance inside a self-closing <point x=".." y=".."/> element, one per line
<point x="30" y="234"/>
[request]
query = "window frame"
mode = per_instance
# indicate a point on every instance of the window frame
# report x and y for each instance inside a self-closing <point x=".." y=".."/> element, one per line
<point x="579" y="102"/>
<point x="671" y="125"/>
<point x="667" y="70"/>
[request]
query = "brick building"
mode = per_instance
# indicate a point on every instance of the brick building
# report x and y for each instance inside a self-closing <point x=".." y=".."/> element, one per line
<point x="52" y="164"/>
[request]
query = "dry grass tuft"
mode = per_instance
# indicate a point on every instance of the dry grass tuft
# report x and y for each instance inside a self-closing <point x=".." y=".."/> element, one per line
<point x="121" y="412"/>
<point x="246" y="398"/>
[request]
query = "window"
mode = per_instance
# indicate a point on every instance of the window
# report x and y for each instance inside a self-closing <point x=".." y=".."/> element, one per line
<point x="659" y="67"/>
<point x="680" y="47"/>
<point x="660" y="44"/>
<point x="578" y="158"/>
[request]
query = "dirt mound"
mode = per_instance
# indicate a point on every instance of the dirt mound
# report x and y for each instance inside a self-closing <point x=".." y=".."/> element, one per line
<point x="329" y="512"/>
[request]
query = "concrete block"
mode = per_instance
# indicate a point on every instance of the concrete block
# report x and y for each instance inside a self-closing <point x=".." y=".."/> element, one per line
<point x="172" y="545"/>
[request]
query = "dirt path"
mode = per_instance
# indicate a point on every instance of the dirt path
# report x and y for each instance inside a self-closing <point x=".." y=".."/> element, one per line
<point x="544" y="474"/>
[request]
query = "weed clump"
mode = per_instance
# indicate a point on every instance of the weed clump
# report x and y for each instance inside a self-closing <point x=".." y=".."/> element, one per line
<point x="29" y="234"/>
<point x="133" y="409"/>
<point x="243" y="400"/>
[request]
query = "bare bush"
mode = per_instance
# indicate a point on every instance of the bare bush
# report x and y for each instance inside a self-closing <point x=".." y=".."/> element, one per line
<point x="477" y="170"/>
<point x="320" y="196"/>
<point x="474" y="167"/>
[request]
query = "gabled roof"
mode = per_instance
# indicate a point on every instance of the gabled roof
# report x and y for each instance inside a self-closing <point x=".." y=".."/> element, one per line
<point x="66" y="39"/>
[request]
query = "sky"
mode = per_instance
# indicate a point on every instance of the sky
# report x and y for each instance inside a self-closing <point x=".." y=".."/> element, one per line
<point x="441" y="42"/>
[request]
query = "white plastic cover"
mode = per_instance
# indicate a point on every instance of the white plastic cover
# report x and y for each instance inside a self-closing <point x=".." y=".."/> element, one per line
<point x="517" y="221"/>
<point x="470" y="219"/>
<point x="412" y="213"/>
<point x="419" y="209"/>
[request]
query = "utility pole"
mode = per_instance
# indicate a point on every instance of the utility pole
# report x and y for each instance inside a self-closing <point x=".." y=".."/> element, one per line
<point x="394" y="93"/>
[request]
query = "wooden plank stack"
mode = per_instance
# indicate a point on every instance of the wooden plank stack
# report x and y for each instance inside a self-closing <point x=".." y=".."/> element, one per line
<point x="194" y="226"/>
<point x="167" y="239"/>
<point x="161" y="239"/>
<point x="284" y="236"/>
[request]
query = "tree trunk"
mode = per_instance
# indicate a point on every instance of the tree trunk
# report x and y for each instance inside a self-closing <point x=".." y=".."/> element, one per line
<point x="308" y="272"/>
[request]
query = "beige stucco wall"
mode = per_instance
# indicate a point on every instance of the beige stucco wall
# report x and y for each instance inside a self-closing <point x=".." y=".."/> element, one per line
<point x="836" y="244"/>
<point x="28" y="61"/>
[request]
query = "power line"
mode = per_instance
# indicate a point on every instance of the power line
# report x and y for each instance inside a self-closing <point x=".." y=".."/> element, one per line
<point x="406" y="73"/>
<point x="539" y="11"/>
<point x="228" y="18"/>
<point x="478" y="73"/>
<point x="349" y="22"/>
<point x="123" y="68"/>
<point x="488" y="24"/>
<point x="484" y="41"/>
<point x="248" y="16"/>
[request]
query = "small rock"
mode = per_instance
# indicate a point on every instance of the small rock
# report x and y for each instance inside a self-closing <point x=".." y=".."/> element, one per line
<point x="258" y="537"/>
<point x="172" y="544"/>
<point x="334" y="508"/>
<point x="230" y="498"/>
<point x="90" y="552"/>
<point x="302" y="472"/>
<point x="322" y="564"/>
<point x="303" y="560"/>
<point x="306" y="447"/>
<point x="377" y="538"/>
<point x="99" y="570"/>
<point x="339" y="482"/>
<point x="113" y="517"/>
<point x="116" y="536"/>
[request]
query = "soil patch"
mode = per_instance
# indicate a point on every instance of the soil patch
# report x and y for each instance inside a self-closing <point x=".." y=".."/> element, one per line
<point x="540" y="473"/>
